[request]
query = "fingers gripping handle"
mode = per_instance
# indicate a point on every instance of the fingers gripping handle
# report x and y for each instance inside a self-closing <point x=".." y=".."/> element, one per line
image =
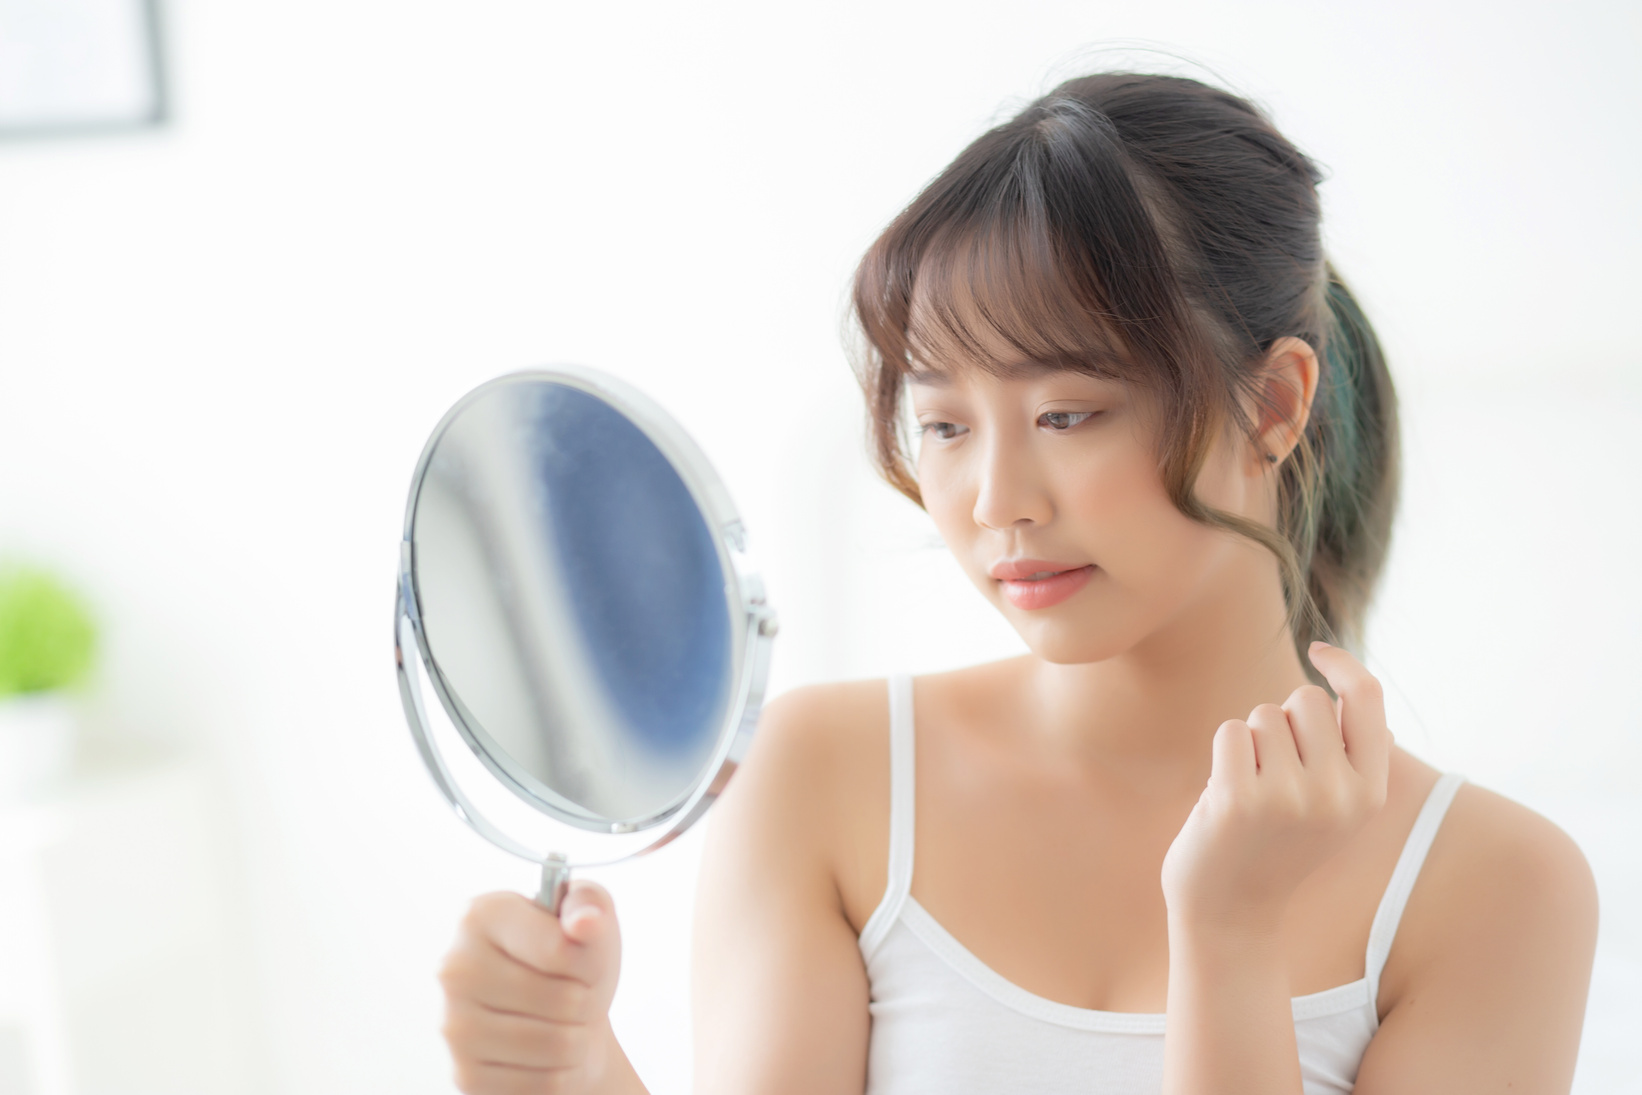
<point x="555" y="881"/>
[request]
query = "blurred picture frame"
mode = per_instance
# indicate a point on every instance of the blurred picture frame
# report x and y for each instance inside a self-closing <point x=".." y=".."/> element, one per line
<point x="80" y="67"/>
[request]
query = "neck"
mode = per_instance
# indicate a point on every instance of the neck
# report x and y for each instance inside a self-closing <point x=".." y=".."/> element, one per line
<point x="1161" y="701"/>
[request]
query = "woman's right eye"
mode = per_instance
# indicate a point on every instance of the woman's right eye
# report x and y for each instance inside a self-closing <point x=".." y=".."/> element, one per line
<point x="945" y="431"/>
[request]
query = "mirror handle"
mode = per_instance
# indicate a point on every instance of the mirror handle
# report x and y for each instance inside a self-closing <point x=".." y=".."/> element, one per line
<point x="555" y="882"/>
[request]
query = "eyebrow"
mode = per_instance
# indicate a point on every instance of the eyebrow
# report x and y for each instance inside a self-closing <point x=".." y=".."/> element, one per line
<point x="942" y="378"/>
<point x="938" y="378"/>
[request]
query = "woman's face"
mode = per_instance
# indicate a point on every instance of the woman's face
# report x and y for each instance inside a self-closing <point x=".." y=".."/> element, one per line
<point x="1046" y="487"/>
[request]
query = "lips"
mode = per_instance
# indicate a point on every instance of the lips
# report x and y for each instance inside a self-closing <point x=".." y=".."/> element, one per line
<point x="1039" y="583"/>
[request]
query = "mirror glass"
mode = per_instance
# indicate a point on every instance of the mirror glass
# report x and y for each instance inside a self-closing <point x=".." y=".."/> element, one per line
<point x="579" y="611"/>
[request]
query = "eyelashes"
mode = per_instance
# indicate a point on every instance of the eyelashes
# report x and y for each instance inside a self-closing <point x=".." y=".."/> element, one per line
<point x="1053" y="421"/>
<point x="1063" y="420"/>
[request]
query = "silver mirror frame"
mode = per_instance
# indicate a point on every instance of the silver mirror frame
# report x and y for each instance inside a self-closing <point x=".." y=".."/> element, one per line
<point x="744" y="591"/>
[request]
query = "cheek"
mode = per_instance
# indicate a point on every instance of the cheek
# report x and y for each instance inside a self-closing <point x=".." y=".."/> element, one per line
<point x="1134" y="530"/>
<point x="1219" y="485"/>
<point x="1117" y="496"/>
<point x="949" y="499"/>
<point x="949" y="506"/>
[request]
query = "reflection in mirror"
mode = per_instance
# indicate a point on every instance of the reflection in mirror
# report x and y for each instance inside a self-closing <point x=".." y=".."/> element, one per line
<point x="574" y="602"/>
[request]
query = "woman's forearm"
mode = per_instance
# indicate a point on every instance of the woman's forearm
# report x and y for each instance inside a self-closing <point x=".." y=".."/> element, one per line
<point x="611" y="1072"/>
<point x="1231" y="1025"/>
<point x="1288" y="788"/>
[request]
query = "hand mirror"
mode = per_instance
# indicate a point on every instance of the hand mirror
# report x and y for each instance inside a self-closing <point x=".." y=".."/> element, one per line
<point x="574" y="584"/>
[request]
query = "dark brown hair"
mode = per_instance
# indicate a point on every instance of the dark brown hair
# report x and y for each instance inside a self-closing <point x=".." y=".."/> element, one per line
<point x="1160" y="231"/>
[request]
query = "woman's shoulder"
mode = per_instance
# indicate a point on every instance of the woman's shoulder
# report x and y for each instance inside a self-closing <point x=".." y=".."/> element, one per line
<point x="1495" y="862"/>
<point x="1499" y="866"/>
<point x="816" y="782"/>
<point x="815" y="743"/>
<point x="826" y="716"/>
<point x="1506" y="841"/>
<point x="819" y="742"/>
<point x="810" y="803"/>
<point x="1504" y="910"/>
<point x="843" y="719"/>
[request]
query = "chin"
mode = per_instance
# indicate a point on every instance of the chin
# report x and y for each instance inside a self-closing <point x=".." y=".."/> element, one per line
<point x="1069" y="640"/>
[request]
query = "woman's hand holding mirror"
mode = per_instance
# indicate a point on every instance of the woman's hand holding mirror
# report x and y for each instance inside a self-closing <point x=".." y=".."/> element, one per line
<point x="527" y="996"/>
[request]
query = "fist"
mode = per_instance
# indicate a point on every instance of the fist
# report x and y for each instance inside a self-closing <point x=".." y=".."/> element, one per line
<point x="527" y="994"/>
<point x="1290" y="785"/>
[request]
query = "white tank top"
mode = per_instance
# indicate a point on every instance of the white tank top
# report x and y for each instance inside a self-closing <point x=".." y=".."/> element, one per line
<point x="944" y="1023"/>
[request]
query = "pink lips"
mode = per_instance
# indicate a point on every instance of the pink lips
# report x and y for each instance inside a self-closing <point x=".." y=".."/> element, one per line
<point x="1039" y="583"/>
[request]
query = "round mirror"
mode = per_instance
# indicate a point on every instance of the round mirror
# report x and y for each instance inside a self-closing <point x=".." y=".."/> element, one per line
<point x="573" y="581"/>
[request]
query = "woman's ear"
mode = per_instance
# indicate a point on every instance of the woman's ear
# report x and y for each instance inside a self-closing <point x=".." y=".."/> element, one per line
<point x="1284" y="389"/>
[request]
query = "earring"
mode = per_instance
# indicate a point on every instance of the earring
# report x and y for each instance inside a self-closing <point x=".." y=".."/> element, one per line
<point x="1271" y="458"/>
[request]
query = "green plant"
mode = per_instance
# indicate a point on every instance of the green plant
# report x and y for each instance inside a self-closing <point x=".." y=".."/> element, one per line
<point x="46" y="635"/>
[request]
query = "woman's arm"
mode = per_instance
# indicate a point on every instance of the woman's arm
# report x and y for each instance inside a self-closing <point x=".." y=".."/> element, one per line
<point x="779" y="989"/>
<point x="1230" y="1025"/>
<point x="1289" y="786"/>
<point x="1485" y="990"/>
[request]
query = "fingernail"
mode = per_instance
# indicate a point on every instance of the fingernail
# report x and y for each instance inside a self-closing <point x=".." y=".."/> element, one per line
<point x="1315" y="643"/>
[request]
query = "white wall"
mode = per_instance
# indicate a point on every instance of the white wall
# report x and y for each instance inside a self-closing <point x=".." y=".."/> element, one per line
<point x="222" y="345"/>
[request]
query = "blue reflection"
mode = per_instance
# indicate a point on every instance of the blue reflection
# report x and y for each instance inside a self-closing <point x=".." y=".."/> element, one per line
<point x="640" y="564"/>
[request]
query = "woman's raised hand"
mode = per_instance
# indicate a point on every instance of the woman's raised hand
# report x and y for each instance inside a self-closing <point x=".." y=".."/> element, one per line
<point x="1289" y="786"/>
<point x="527" y="996"/>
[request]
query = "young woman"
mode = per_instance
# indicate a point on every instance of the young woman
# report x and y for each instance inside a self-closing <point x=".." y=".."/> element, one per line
<point x="1173" y="848"/>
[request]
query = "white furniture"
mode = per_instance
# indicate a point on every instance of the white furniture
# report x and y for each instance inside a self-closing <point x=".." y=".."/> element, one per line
<point x="116" y="964"/>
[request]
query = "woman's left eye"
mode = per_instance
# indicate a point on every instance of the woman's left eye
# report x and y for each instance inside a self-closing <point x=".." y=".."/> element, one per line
<point x="1063" y="420"/>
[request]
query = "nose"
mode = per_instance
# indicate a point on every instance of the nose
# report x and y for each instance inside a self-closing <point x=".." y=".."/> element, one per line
<point x="1010" y="492"/>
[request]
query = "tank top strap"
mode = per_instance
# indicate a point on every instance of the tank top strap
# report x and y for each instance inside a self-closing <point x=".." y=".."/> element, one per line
<point x="902" y="816"/>
<point x="1403" y="877"/>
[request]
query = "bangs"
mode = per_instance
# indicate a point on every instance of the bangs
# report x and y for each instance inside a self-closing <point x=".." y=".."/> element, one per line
<point x="1009" y="299"/>
<point x="1035" y="250"/>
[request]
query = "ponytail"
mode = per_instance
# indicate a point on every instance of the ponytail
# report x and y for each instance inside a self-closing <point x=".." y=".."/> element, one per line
<point x="1340" y="502"/>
